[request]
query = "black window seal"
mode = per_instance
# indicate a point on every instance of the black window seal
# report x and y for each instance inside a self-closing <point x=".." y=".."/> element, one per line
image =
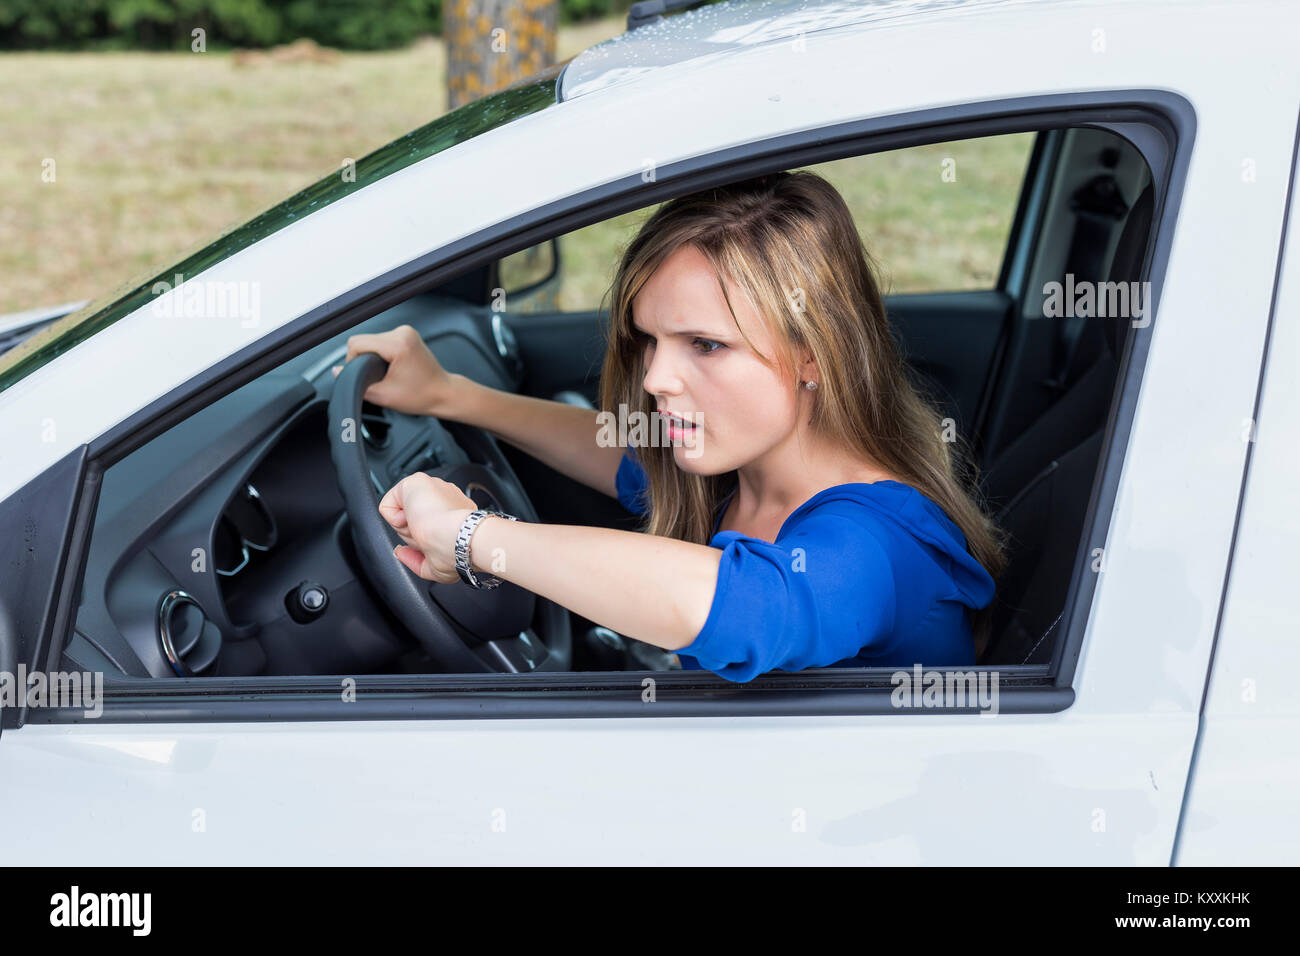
<point x="827" y="691"/>
<point x="1028" y="212"/>
<point x="1167" y="163"/>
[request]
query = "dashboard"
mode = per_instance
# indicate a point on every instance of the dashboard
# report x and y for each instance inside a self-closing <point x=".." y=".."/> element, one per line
<point x="221" y="547"/>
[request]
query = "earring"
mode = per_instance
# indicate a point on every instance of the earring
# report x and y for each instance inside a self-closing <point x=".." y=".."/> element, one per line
<point x="811" y="386"/>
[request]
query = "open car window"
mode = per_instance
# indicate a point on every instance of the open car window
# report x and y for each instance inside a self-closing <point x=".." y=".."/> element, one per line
<point x="208" y="539"/>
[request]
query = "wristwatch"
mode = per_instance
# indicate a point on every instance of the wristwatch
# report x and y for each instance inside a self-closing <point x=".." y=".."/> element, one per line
<point x="463" y="567"/>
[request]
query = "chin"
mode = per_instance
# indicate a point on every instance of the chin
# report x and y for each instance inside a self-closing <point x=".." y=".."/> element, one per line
<point x="701" y="461"/>
<point x="693" y="460"/>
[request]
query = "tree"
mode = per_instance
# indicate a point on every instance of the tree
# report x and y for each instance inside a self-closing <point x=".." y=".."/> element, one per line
<point x="493" y="43"/>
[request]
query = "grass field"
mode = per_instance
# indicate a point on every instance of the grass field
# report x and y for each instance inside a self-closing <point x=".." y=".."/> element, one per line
<point x="150" y="154"/>
<point x="927" y="233"/>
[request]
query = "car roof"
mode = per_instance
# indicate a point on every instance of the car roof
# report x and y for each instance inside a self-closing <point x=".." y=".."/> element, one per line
<point x="726" y="28"/>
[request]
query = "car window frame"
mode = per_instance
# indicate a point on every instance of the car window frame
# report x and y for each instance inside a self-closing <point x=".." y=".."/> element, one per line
<point x="1160" y="123"/>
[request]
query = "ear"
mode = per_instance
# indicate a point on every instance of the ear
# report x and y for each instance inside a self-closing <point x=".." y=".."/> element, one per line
<point x="807" y="367"/>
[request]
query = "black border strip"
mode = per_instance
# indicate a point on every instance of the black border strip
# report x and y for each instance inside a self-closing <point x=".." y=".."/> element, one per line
<point x="1033" y="192"/>
<point x="781" y="694"/>
<point x="1167" y="171"/>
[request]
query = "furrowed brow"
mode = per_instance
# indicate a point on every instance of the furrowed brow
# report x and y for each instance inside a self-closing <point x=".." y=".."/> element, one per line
<point x="691" y="332"/>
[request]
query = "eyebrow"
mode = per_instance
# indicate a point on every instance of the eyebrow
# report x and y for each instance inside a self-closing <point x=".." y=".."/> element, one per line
<point x="705" y="334"/>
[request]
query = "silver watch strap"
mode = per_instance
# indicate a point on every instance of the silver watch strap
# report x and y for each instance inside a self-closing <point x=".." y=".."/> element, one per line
<point x="463" y="566"/>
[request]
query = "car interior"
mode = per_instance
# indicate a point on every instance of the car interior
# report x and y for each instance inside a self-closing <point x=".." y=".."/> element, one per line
<point x="244" y="541"/>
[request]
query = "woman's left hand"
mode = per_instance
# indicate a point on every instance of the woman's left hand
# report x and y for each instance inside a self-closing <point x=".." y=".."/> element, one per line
<point x="427" y="513"/>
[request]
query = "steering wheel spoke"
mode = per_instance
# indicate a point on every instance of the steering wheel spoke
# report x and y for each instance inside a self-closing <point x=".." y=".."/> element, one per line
<point x="520" y="654"/>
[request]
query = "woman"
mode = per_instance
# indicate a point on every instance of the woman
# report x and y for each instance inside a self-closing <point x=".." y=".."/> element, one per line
<point x="805" y="511"/>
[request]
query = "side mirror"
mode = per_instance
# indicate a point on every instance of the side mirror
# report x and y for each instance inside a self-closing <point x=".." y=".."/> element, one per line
<point x="530" y="270"/>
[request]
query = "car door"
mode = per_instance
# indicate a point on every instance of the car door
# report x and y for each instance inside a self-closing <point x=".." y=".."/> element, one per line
<point x="1084" y="761"/>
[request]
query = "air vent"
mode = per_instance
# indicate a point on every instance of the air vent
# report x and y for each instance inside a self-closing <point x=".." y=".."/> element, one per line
<point x="375" y="426"/>
<point x="250" y="520"/>
<point x="190" y="642"/>
<point x="229" y="552"/>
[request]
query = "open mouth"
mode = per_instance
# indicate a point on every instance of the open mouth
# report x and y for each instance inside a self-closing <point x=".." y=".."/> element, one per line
<point x="678" y="425"/>
<point x="681" y="433"/>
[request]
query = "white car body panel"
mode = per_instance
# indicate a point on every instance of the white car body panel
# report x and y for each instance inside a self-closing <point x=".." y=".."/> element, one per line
<point x="1246" y="777"/>
<point x="1102" y="782"/>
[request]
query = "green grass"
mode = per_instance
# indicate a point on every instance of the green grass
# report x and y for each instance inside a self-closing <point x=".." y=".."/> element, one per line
<point x="155" y="154"/>
<point x="927" y="233"/>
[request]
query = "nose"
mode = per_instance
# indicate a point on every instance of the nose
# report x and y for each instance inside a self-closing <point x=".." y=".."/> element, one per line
<point x="661" y="374"/>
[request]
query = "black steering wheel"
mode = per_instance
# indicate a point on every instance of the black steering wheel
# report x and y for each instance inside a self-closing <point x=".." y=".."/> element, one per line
<point x="465" y="630"/>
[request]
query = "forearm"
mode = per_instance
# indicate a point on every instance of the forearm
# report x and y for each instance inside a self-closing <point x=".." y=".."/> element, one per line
<point x="654" y="589"/>
<point x="560" y="435"/>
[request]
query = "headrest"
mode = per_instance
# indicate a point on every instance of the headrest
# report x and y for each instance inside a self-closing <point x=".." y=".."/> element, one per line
<point x="1126" y="265"/>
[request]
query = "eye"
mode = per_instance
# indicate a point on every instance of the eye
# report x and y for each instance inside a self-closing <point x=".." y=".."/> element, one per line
<point x="708" y="351"/>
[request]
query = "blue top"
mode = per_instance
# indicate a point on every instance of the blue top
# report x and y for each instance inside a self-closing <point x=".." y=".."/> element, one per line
<point x="860" y="575"/>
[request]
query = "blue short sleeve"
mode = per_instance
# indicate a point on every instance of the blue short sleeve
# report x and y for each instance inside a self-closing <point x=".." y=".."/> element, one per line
<point x="824" y="592"/>
<point x="632" y="484"/>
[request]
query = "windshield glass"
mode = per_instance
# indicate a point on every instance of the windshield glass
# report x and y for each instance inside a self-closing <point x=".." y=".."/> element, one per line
<point x="497" y="109"/>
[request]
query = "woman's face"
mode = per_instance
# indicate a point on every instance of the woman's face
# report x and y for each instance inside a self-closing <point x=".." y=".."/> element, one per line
<point x="699" y="367"/>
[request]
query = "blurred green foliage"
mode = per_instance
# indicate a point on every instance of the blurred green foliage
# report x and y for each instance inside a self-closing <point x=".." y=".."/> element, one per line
<point x="168" y="24"/>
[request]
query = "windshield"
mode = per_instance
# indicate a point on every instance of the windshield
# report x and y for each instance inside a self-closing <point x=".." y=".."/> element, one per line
<point x="529" y="95"/>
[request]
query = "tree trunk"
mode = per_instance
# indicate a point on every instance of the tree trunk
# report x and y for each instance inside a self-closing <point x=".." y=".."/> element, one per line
<point x="493" y="43"/>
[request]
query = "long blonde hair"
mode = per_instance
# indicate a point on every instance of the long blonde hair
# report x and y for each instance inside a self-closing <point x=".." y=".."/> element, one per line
<point x="788" y="241"/>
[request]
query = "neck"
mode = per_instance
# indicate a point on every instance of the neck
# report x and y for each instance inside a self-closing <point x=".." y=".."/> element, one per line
<point x="787" y="475"/>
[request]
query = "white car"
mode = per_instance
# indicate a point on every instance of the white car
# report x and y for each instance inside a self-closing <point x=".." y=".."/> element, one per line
<point x="175" y="519"/>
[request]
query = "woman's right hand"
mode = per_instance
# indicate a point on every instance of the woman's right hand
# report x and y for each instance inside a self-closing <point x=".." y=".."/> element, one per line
<point x="415" y="383"/>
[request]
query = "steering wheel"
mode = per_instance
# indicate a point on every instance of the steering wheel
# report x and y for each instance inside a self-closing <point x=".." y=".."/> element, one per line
<point x="465" y="630"/>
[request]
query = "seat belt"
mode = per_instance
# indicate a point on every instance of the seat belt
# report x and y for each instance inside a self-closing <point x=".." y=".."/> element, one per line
<point x="1097" y="206"/>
